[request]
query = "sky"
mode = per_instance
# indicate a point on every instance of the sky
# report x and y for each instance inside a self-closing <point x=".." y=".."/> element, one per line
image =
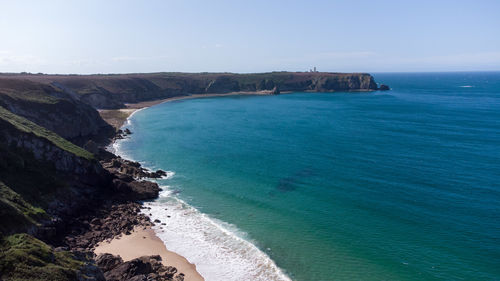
<point x="123" y="36"/>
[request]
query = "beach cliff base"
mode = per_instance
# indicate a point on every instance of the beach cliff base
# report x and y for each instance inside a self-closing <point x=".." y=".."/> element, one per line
<point x="144" y="242"/>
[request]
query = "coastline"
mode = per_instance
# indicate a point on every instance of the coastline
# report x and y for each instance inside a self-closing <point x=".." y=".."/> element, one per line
<point x="146" y="241"/>
<point x="143" y="241"/>
<point x="118" y="117"/>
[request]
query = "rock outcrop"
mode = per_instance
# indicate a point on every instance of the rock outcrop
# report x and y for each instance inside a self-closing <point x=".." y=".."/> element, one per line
<point x="384" y="87"/>
<point x="139" y="269"/>
<point x="275" y="91"/>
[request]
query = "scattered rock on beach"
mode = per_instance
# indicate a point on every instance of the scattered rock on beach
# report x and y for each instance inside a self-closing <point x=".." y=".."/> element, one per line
<point x="143" y="268"/>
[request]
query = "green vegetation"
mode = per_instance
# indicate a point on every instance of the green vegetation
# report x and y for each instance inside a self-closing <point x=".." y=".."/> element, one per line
<point x="27" y="126"/>
<point x="27" y="186"/>
<point x="256" y="78"/>
<point x="23" y="257"/>
<point x="34" y="96"/>
<point x="15" y="213"/>
<point x="28" y="91"/>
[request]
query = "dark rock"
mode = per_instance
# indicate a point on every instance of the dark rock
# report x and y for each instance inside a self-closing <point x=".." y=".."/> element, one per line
<point x="142" y="268"/>
<point x="275" y="91"/>
<point x="127" y="270"/>
<point x="107" y="262"/>
<point x="144" y="190"/>
<point x="384" y="87"/>
<point x="143" y="277"/>
<point x="61" y="249"/>
<point x="90" y="272"/>
<point x="91" y="147"/>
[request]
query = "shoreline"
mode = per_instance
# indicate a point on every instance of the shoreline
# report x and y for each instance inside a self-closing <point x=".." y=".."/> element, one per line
<point x="118" y="117"/>
<point x="151" y="243"/>
<point x="142" y="241"/>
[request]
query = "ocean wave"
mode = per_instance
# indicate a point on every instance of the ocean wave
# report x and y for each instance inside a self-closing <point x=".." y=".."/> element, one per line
<point x="466" y="86"/>
<point x="219" y="250"/>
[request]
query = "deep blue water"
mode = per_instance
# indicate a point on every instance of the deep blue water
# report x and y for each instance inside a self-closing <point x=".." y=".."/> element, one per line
<point x="397" y="185"/>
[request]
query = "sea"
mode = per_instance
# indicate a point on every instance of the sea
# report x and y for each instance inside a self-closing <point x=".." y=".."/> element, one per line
<point x="384" y="185"/>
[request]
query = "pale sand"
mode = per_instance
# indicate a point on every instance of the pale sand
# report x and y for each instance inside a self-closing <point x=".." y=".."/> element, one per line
<point x="144" y="242"/>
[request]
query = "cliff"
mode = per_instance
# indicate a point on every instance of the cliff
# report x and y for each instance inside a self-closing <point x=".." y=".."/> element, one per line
<point x="53" y="108"/>
<point x="57" y="199"/>
<point x="112" y="91"/>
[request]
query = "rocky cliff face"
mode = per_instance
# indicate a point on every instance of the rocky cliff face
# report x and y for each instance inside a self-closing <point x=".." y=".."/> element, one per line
<point x="47" y="170"/>
<point x="113" y="91"/>
<point x="64" y="161"/>
<point x="60" y="193"/>
<point x="55" y="109"/>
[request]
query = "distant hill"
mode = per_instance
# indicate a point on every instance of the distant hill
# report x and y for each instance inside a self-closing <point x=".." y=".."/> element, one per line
<point x="113" y="90"/>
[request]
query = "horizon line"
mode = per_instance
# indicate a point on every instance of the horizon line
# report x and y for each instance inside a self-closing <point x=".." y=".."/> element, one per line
<point x="240" y="73"/>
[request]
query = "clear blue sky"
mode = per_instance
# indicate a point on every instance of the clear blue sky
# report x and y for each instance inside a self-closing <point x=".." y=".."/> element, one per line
<point x="248" y="36"/>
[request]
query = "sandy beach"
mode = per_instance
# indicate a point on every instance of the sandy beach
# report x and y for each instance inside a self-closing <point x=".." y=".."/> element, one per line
<point x="144" y="242"/>
<point x="116" y="117"/>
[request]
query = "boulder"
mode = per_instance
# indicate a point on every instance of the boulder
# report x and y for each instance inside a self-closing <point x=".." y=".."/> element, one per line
<point x="129" y="269"/>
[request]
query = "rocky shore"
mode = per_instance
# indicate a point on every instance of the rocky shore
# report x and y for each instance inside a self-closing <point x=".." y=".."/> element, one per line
<point x="62" y="194"/>
<point x="116" y="217"/>
<point x="103" y="204"/>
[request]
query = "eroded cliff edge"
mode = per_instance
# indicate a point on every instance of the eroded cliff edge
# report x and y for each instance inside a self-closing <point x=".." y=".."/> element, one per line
<point x="113" y="91"/>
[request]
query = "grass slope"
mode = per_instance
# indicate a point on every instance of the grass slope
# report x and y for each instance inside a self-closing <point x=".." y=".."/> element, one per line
<point x="27" y="126"/>
<point x="16" y="214"/>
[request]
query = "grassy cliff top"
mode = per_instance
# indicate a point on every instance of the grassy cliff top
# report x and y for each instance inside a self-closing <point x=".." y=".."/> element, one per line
<point x="27" y="126"/>
<point x="117" y="83"/>
<point x="25" y="89"/>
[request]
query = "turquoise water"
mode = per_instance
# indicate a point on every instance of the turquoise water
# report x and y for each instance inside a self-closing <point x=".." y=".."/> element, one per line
<point x="398" y="185"/>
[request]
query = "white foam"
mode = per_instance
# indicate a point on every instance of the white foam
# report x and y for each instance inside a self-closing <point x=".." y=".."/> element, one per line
<point x="129" y="122"/>
<point x="169" y="175"/>
<point x="219" y="250"/>
<point x="466" y="86"/>
<point x="165" y="192"/>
